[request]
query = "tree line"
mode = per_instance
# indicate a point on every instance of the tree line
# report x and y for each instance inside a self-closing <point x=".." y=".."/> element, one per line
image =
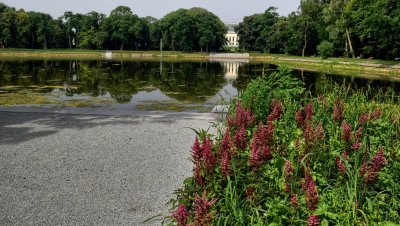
<point x="354" y="28"/>
<point x="194" y="29"/>
<point x="327" y="27"/>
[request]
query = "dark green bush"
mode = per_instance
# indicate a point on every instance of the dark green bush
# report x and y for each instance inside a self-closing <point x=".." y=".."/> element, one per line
<point x="260" y="92"/>
<point x="326" y="49"/>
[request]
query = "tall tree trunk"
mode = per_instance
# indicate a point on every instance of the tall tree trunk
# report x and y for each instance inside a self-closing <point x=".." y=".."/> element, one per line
<point x="33" y="41"/>
<point x="69" y="41"/>
<point x="305" y="40"/>
<point x="350" y="45"/>
<point x="122" y="46"/>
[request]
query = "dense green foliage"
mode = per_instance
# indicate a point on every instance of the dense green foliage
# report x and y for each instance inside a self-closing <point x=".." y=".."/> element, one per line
<point x="317" y="160"/>
<point x="194" y="29"/>
<point x="261" y="91"/>
<point x="355" y="27"/>
<point x="326" y="49"/>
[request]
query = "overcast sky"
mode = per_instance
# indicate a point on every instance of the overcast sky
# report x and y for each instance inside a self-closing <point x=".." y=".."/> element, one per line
<point x="227" y="10"/>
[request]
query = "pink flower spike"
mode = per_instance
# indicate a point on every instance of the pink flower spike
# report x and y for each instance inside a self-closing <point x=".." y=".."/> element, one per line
<point x="241" y="138"/>
<point x="226" y="142"/>
<point x="197" y="152"/>
<point x="288" y="170"/>
<point x="203" y="216"/>
<point x="255" y="155"/>
<point x="356" y="145"/>
<point x="338" y="108"/>
<point x="225" y="164"/>
<point x="340" y="165"/>
<point x="294" y="201"/>
<point x="208" y="155"/>
<point x="181" y="215"/>
<point x="300" y="118"/>
<point x="309" y="111"/>
<point x="313" y="220"/>
<point x="346" y="132"/>
<point x="363" y="119"/>
<point x="379" y="160"/>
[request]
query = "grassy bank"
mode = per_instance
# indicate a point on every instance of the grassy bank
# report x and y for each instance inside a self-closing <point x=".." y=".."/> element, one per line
<point x="367" y="68"/>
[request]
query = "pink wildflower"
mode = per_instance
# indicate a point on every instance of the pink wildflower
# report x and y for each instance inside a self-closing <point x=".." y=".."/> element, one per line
<point x="180" y="215"/>
<point x="255" y="155"/>
<point x="297" y="144"/>
<point x="266" y="152"/>
<point x="309" y="136"/>
<point x="376" y="114"/>
<point x="358" y="133"/>
<point x="312" y="197"/>
<point x="363" y="168"/>
<point x="198" y="177"/>
<point x="320" y="131"/>
<point x="300" y="118"/>
<point x="203" y="216"/>
<point x="250" y="193"/>
<point x="288" y="170"/>
<point x="346" y="131"/>
<point x="288" y="189"/>
<point x="378" y="161"/>
<point x="208" y="156"/>
<point x="356" y="145"/>
<point x="307" y="179"/>
<point x="225" y="164"/>
<point x="294" y="201"/>
<point x="197" y="152"/>
<point x="243" y="116"/>
<point x="313" y="220"/>
<point x="241" y="138"/>
<point x="276" y="110"/>
<point x="338" y="108"/>
<point x="340" y="165"/>
<point x="363" y="119"/>
<point x="226" y="142"/>
<point x="345" y="156"/>
<point x="309" y="111"/>
<point x="229" y="121"/>
<point x="265" y="134"/>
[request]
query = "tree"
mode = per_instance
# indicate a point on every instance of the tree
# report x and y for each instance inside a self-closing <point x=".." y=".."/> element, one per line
<point x="195" y="29"/>
<point x="312" y="24"/>
<point x="376" y="24"/>
<point x="120" y="26"/>
<point x="255" y="31"/>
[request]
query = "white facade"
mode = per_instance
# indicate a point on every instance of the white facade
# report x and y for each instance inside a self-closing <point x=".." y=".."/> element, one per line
<point x="231" y="37"/>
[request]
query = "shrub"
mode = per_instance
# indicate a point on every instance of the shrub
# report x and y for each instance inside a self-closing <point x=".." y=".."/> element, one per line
<point x="317" y="161"/>
<point x="280" y="85"/>
<point x="326" y="49"/>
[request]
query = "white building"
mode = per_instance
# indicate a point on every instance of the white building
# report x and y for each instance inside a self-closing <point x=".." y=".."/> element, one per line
<point x="231" y="37"/>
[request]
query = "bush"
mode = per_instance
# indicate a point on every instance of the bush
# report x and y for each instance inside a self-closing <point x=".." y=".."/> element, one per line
<point x="260" y="92"/>
<point x="314" y="161"/>
<point x="326" y="49"/>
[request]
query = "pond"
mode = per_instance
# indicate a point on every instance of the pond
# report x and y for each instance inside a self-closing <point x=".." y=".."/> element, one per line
<point x="147" y="84"/>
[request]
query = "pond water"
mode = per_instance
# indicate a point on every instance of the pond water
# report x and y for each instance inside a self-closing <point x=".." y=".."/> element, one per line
<point x="146" y="84"/>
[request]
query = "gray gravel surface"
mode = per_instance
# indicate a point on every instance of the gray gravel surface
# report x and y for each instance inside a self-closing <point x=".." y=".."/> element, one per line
<point x="84" y="169"/>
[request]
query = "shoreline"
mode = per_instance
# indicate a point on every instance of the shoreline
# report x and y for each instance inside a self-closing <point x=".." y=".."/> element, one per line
<point x="341" y="66"/>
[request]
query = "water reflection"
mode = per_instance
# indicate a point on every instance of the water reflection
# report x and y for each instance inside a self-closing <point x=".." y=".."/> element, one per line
<point x="199" y="83"/>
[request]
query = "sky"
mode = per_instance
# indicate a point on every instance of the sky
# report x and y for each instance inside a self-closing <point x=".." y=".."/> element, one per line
<point x="229" y="11"/>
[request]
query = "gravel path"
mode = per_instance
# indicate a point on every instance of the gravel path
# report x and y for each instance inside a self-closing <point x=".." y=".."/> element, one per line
<point x="77" y="169"/>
